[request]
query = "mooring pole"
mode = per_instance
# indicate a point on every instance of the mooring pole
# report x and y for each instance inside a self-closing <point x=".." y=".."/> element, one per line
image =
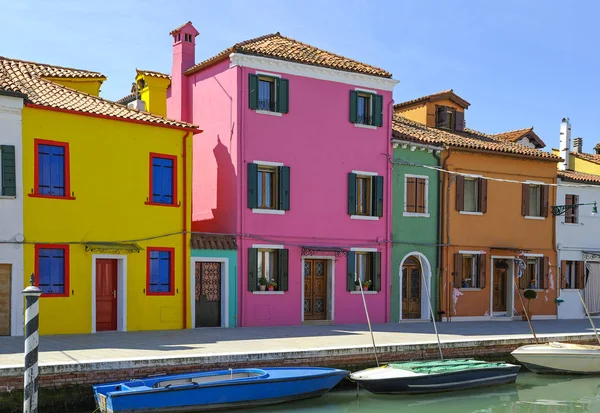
<point x="30" y="386"/>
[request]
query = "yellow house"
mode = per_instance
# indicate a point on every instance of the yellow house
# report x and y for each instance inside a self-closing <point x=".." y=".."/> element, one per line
<point x="106" y="205"/>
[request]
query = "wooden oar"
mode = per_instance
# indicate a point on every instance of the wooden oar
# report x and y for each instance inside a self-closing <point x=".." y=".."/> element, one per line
<point x="587" y="312"/>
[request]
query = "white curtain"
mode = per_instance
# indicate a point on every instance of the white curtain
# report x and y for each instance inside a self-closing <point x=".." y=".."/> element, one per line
<point x="591" y="292"/>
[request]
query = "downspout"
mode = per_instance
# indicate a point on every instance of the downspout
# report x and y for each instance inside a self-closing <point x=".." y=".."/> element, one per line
<point x="438" y="250"/>
<point x="241" y="176"/>
<point x="388" y="215"/>
<point x="185" y="229"/>
<point x="447" y="225"/>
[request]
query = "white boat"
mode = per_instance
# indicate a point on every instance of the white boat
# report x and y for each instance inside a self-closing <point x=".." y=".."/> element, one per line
<point x="559" y="358"/>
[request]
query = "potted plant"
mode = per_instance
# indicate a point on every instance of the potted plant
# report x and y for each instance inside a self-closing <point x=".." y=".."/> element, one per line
<point x="529" y="294"/>
<point x="356" y="285"/>
<point x="366" y="285"/>
<point x="262" y="283"/>
<point x="271" y="285"/>
<point x="466" y="282"/>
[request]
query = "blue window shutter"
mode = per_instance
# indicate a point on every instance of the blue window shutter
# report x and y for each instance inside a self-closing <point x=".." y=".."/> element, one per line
<point x="44" y="271"/>
<point x="43" y="170"/>
<point x="156" y="181"/>
<point x="165" y="271"/>
<point x="58" y="271"/>
<point x="57" y="170"/>
<point x="154" y="271"/>
<point x="167" y="181"/>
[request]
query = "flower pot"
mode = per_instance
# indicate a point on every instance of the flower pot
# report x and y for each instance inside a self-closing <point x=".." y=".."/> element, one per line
<point x="365" y="287"/>
<point x="271" y="288"/>
<point x="262" y="287"/>
<point x="357" y="288"/>
<point x="524" y="317"/>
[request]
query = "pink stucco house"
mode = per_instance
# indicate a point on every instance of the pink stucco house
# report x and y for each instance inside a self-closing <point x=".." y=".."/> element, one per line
<point x="293" y="161"/>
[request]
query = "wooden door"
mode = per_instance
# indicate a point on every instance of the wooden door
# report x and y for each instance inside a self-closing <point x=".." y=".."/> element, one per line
<point x="5" y="283"/>
<point x="411" y="289"/>
<point x="315" y="289"/>
<point x="106" y="294"/>
<point x="208" y="294"/>
<point x="499" y="295"/>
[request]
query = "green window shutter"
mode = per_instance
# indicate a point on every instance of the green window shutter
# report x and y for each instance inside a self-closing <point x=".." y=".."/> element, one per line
<point x="252" y="269"/>
<point x="351" y="194"/>
<point x="350" y="268"/>
<point x="252" y="185"/>
<point x="8" y="173"/>
<point x="377" y="110"/>
<point x="377" y="196"/>
<point x="253" y="91"/>
<point x="353" y="106"/>
<point x="283" y="92"/>
<point x="284" y="188"/>
<point x="376" y="271"/>
<point x="282" y="259"/>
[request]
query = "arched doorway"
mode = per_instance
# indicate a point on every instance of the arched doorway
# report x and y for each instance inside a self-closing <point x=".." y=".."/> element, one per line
<point x="411" y="288"/>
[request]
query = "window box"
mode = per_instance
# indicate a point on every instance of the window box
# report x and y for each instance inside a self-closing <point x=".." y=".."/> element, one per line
<point x="52" y="270"/>
<point x="270" y="265"/>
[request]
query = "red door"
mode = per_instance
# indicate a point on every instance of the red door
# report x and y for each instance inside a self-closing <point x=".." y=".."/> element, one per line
<point x="106" y="295"/>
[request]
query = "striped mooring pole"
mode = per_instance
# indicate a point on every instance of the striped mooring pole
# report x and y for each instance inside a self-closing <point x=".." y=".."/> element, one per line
<point x="32" y="309"/>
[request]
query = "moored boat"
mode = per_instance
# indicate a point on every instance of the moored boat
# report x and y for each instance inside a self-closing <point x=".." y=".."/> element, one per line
<point x="434" y="376"/>
<point x="214" y="390"/>
<point x="559" y="358"/>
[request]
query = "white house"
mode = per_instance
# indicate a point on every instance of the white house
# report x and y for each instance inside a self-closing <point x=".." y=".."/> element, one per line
<point x="11" y="214"/>
<point x="577" y="231"/>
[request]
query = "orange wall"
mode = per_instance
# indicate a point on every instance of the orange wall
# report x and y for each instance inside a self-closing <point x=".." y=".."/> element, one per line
<point x="416" y="113"/>
<point x="501" y="227"/>
<point x="425" y="113"/>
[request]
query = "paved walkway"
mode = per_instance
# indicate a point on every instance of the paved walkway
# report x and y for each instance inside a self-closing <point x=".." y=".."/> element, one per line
<point x="60" y="349"/>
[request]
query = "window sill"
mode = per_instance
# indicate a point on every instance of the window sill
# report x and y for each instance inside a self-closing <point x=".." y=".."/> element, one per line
<point x="365" y="292"/>
<point x="360" y="125"/>
<point x="51" y="196"/>
<point x="268" y="112"/>
<point x="268" y="211"/>
<point x="469" y="289"/>
<point x="532" y="217"/>
<point x="7" y="197"/>
<point x="415" y="214"/>
<point x="364" y="217"/>
<point x="537" y="290"/>
<point x="573" y="224"/>
<point x="159" y="294"/>
<point x="160" y="204"/>
<point x="268" y="292"/>
<point x="50" y="295"/>
<point x="470" y="213"/>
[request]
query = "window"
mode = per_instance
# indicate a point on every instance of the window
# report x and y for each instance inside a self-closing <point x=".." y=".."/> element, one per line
<point x="52" y="269"/>
<point x="366" y="108"/>
<point x="163" y="179"/>
<point x="8" y="183"/>
<point x="449" y="118"/>
<point x="535" y="275"/>
<point x="51" y="175"/>
<point x="272" y="264"/>
<point x="268" y="187"/>
<point x="573" y="275"/>
<point x="469" y="270"/>
<point x="268" y="93"/>
<point x="471" y="194"/>
<point x="415" y="199"/>
<point x="534" y="200"/>
<point x="365" y="195"/>
<point x="572" y="214"/>
<point x="364" y="266"/>
<point x="160" y="271"/>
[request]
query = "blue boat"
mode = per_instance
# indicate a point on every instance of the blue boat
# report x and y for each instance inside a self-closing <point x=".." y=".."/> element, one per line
<point x="215" y="390"/>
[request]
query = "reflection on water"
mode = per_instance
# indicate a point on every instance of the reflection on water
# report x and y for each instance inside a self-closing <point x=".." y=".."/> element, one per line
<point x="531" y="394"/>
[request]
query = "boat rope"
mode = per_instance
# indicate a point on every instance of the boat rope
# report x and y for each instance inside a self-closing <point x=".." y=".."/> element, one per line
<point x="587" y="312"/>
<point x="430" y="308"/>
<point x="362" y="293"/>
<point x="523" y="304"/>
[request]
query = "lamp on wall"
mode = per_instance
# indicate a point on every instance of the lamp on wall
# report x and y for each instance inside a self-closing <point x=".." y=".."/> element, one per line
<point x="561" y="209"/>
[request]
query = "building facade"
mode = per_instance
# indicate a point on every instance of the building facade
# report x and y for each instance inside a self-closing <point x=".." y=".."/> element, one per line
<point x="274" y="121"/>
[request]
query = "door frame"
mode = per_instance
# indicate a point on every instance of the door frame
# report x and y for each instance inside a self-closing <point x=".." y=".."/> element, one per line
<point x="510" y="288"/>
<point x="224" y="288"/>
<point x="330" y="286"/>
<point x="426" y="272"/>
<point x="121" y="288"/>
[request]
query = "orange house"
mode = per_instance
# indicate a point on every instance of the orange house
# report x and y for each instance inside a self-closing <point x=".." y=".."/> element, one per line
<point x="496" y="232"/>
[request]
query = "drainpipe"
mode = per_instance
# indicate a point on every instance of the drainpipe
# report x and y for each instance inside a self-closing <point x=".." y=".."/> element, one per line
<point x="438" y="250"/>
<point x="447" y="225"/>
<point x="185" y="232"/>
<point x="241" y="176"/>
<point x="388" y="215"/>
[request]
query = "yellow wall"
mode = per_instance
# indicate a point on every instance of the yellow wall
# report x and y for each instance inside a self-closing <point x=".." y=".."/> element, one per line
<point x="414" y="113"/>
<point x="581" y="165"/>
<point x="425" y="113"/>
<point x="89" y="86"/>
<point x="109" y="162"/>
<point x="154" y="94"/>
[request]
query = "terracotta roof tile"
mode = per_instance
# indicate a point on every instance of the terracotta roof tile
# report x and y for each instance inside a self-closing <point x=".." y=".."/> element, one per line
<point x="408" y="130"/>
<point x="579" y="177"/>
<point x="126" y="99"/>
<point x="590" y="157"/>
<point x="213" y="242"/>
<point x="443" y="95"/>
<point x="24" y="77"/>
<point x="280" y="47"/>
<point x="517" y="134"/>
<point x="153" y="73"/>
<point x="44" y="70"/>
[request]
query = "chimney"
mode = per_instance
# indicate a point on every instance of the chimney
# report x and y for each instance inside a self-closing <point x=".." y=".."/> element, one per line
<point x="578" y="145"/>
<point x="597" y="149"/>
<point x="565" y="143"/>
<point x="184" y="57"/>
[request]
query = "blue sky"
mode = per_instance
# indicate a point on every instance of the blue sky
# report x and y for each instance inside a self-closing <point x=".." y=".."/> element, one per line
<point x="519" y="63"/>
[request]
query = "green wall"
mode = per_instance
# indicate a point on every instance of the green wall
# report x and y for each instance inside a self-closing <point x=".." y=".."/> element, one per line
<point x="231" y="255"/>
<point x="410" y="234"/>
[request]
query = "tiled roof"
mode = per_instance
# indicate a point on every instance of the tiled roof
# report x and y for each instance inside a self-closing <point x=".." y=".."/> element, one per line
<point x="153" y="73"/>
<point x="408" y="130"/>
<point x="24" y="77"/>
<point x="443" y="95"/>
<point x="579" y="177"/>
<point x="515" y="135"/>
<point x="280" y="47"/>
<point x="126" y="99"/>
<point x="590" y="157"/>
<point x="44" y="70"/>
<point x="213" y="242"/>
<point x="6" y="91"/>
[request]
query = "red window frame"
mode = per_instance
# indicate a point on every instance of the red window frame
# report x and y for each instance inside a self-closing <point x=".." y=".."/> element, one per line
<point x="174" y="184"/>
<point x="66" y="272"/>
<point x="36" y="169"/>
<point x="172" y="268"/>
